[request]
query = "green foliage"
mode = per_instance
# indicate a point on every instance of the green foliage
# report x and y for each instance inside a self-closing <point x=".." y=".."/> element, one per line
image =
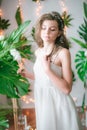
<point x="4" y="24"/>
<point x="81" y="43"/>
<point x="81" y="59"/>
<point x="83" y="30"/>
<point x="73" y="76"/>
<point x="67" y="19"/>
<point x="3" y="115"/>
<point x="85" y="9"/>
<point x="14" y="40"/>
<point x="3" y="124"/>
<point x="18" y="16"/>
<point x="25" y="49"/>
<point x="33" y="32"/>
<point x="81" y="65"/>
<point x="11" y="83"/>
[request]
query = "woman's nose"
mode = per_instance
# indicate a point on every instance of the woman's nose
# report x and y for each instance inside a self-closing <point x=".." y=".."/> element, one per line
<point x="47" y="31"/>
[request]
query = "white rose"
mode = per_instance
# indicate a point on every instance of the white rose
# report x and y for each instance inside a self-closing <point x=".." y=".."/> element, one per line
<point x="86" y="53"/>
<point x="16" y="55"/>
<point x="1" y="37"/>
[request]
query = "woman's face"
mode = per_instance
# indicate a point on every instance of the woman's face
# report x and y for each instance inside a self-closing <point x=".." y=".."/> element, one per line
<point x="49" y="31"/>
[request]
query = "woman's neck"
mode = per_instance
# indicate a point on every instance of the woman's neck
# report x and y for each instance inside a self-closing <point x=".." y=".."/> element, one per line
<point x="48" y="47"/>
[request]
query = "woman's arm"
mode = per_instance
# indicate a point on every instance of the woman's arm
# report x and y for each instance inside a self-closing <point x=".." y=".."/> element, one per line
<point x="26" y="74"/>
<point x="64" y="83"/>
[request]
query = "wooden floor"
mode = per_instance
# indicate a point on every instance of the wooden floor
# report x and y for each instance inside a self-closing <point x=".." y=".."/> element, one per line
<point x="30" y="114"/>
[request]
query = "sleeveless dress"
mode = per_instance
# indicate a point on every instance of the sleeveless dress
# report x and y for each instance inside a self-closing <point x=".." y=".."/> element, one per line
<point x="54" y="109"/>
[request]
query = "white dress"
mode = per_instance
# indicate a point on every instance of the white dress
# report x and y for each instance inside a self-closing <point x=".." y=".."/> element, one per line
<point x="54" y="109"/>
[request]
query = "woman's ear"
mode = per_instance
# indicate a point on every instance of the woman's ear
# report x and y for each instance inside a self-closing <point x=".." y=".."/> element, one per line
<point x="60" y="32"/>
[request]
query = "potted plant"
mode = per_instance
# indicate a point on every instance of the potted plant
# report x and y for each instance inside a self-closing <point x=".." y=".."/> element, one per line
<point x="81" y="55"/>
<point x="13" y="84"/>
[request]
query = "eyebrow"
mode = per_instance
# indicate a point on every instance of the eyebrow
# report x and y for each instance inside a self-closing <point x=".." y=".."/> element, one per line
<point x="51" y="26"/>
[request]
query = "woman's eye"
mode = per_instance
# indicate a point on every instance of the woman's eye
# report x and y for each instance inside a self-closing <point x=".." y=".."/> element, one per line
<point x="53" y="29"/>
<point x="43" y="28"/>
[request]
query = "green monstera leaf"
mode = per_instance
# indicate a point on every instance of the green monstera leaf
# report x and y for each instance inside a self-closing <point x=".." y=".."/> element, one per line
<point x="3" y="124"/>
<point x="81" y="65"/>
<point x="11" y="83"/>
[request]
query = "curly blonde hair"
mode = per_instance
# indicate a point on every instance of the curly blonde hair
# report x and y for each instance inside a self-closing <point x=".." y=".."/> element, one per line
<point x="60" y="40"/>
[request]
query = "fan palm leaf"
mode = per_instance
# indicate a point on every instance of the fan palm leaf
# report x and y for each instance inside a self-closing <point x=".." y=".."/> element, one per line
<point x="79" y="42"/>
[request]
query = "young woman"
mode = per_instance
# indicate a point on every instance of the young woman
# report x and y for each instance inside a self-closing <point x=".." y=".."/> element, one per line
<point x="55" y="109"/>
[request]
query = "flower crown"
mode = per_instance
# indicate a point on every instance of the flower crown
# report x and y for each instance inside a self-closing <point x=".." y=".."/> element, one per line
<point x="58" y="17"/>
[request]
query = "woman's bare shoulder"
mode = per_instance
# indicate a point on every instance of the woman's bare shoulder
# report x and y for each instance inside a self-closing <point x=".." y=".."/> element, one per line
<point x="37" y="51"/>
<point x="64" y="52"/>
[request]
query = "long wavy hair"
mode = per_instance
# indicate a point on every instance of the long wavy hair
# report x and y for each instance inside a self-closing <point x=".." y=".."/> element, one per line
<point x="60" y="40"/>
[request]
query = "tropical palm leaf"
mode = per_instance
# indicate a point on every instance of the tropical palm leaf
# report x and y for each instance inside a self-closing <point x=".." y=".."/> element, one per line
<point x="81" y="58"/>
<point x="83" y="31"/>
<point x="16" y="34"/>
<point x="82" y="44"/>
<point x="67" y="19"/>
<point x="18" y="16"/>
<point x="85" y="9"/>
<point x="14" y="40"/>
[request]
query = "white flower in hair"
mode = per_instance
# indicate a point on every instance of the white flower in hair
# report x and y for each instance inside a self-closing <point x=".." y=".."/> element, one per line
<point x="16" y="55"/>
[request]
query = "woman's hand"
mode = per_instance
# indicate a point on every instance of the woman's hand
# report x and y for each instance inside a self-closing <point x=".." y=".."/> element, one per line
<point x="23" y="72"/>
<point x="46" y="62"/>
